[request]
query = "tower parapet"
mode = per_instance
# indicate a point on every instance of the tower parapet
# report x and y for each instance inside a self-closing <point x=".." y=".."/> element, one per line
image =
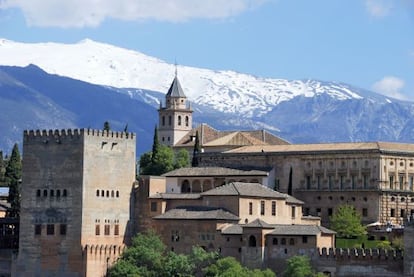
<point x="46" y="136"/>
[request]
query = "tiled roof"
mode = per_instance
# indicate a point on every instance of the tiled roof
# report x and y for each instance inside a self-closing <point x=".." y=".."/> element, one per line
<point x="176" y="89"/>
<point x="198" y="213"/>
<point x="300" y="230"/>
<point x="210" y="137"/>
<point x="234" y="229"/>
<point x="258" y="223"/>
<point x="251" y="190"/>
<point x="213" y="171"/>
<point x="175" y="196"/>
<point x="315" y="147"/>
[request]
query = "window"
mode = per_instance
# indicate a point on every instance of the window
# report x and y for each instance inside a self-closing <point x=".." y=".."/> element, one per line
<point x="169" y="120"/>
<point x="63" y="229"/>
<point x="38" y="193"/>
<point x="45" y="193"/>
<point x="153" y="206"/>
<point x="117" y="193"/>
<point x="292" y="241"/>
<point x="401" y="182"/>
<point x="52" y="193"/>
<point x="411" y="182"/>
<point x="58" y="193"/>
<point x="341" y="181"/>
<point x="107" y="229"/>
<point x="38" y="229"/>
<point x="304" y="239"/>
<point x="319" y="181"/>
<point x="308" y="182"/>
<point x="262" y="207"/>
<point x="107" y="193"/>
<point x="250" y="208"/>
<point x="186" y="121"/>
<point x="391" y="182"/>
<point x="293" y="211"/>
<point x="402" y="213"/>
<point x="163" y="120"/>
<point x="330" y="181"/>
<point x="329" y="211"/>
<point x="365" y="177"/>
<point x="392" y="212"/>
<point x="318" y="211"/>
<point x="65" y="193"/>
<point x="275" y="241"/>
<point x="364" y="212"/>
<point x="112" y="194"/>
<point x="179" y="120"/>
<point x="50" y="229"/>
<point x="97" y="229"/>
<point x="353" y="181"/>
<point x="283" y="241"/>
<point x="102" y="193"/>
<point x="273" y="208"/>
<point x="116" y="230"/>
<point x="97" y="192"/>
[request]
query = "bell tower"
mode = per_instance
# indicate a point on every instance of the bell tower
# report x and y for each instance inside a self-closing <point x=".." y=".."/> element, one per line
<point x="175" y="118"/>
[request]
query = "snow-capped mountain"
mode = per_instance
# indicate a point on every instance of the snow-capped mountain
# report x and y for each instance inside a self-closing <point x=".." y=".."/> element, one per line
<point x="84" y="84"/>
<point x="104" y="64"/>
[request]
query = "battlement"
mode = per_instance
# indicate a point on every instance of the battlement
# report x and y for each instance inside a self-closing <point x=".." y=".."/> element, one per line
<point x="360" y="254"/>
<point x="46" y="135"/>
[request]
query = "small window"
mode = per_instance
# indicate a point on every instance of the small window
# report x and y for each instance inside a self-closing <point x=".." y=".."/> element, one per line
<point x="250" y="208"/>
<point x="38" y="229"/>
<point x="392" y="212"/>
<point x="38" y="193"/>
<point x="112" y="194"/>
<point x="116" y="230"/>
<point x="45" y="193"/>
<point x="52" y="193"/>
<point x="186" y="121"/>
<point x="97" y="192"/>
<point x="58" y="193"/>
<point x="292" y="241"/>
<point x="283" y="241"/>
<point x="63" y="229"/>
<point x="275" y="242"/>
<point x="274" y="208"/>
<point x="262" y="207"/>
<point x="117" y="193"/>
<point x="364" y="212"/>
<point x="329" y="211"/>
<point x="107" y="193"/>
<point x="153" y="206"/>
<point x="293" y="211"/>
<point x="102" y="193"/>
<point x="304" y="239"/>
<point x="65" y="193"/>
<point x="179" y="120"/>
<point x="97" y="229"/>
<point x="107" y="229"/>
<point x="50" y="229"/>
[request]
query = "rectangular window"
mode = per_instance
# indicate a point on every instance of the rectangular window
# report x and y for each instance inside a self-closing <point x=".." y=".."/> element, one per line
<point x="365" y="181"/>
<point x="116" y="230"/>
<point x="153" y="206"/>
<point x="341" y="180"/>
<point x="402" y="213"/>
<point x="411" y="182"/>
<point x="330" y="181"/>
<point x="308" y="182"/>
<point x="318" y="211"/>
<point x="330" y="211"/>
<point x="273" y="208"/>
<point x="63" y="229"/>
<point x="293" y="211"/>
<point x="392" y="212"/>
<point x="304" y="239"/>
<point x="107" y="229"/>
<point x="401" y="181"/>
<point x="319" y="181"/>
<point x="38" y="229"/>
<point x="391" y="182"/>
<point x="353" y="181"/>
<point x="250" y="208"/>
<point x="50" y="229"/>
<point x="262" y="207"/>
<point x="97" y="230"/>
<point x="364" y="212"/>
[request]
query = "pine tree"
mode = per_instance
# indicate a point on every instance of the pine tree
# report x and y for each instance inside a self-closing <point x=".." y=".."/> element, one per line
<point x="13" y="177"/>
<point x="196" y="151"/>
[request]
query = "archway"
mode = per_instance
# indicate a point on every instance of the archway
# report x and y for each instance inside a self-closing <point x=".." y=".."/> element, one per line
<point x="185" y="186"/>
<point x="252" y="241"/>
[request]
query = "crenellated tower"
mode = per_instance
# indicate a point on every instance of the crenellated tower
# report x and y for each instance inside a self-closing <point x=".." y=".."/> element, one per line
<point x="175" y="119"/>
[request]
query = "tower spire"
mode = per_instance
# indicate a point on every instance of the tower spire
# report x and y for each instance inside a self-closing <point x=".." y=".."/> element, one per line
<point x="176" y="68"/>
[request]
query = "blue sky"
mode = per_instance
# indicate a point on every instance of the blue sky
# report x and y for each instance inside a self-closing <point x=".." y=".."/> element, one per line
<point x="366" y="43"/>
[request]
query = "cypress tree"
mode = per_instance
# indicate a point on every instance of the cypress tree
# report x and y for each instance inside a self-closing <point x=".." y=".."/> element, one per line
<point x="13" y="177"/>
<point x="196" y="151"/>
<point x="155" y="146"/>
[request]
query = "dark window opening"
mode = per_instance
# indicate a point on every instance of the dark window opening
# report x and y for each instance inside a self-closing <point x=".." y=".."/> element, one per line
<point x="97" y="229"/>
<point x="252" y="241"/>
<point x="116" y="230"/>
<point x="65" y="193"/>
<point x="153" y="206"/>
<point x="38" y="193"/>
<point x="107" y="229"/>
<point x="275" y="242"/>
<point x="50" y="229"/>
<point x="63" y="229"/>
<point x="38" y="229"/>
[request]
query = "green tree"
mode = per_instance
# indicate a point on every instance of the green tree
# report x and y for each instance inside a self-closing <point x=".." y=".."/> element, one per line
<point x="145" y="163"/>
<point x="298" y="266"/>
<point x="155" y="145"/>
<point x="230" y="267"/>
<point x="13" y="177"/>
<point x="106" y="127"/>
<point x="182" y="159"/>
<point x="346" y="221"/>
<point x="196" y="151"/>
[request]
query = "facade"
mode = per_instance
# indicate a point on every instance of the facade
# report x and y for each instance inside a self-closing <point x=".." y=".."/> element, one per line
<point x="376" y="178"/>
<point x="75" y="208"/>
<point x="248" y="221"/>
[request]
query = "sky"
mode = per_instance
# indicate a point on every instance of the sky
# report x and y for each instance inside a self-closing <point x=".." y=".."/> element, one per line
<point x="365" y="43"/>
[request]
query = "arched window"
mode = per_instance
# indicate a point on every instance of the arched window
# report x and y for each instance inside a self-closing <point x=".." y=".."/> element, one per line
<point x="283" y="241"/>
<point x="52" y="193"/>
<point x="107" y="193"/>
<point x="38" y="193"/>
<point x="196" y="187"/>
<point x="97" y="192"/>
<point x="252" y="241"/>
<point x="58" y="193"/>
<point x="45" y="193"/>
<point x="102" y="193"/>
<point x="186" y="121"/>
<point x="292" y="241"/>
<point x="179" y="120"/>
<point x="117" y="193"/>
<point x="275" y="242"/>
<point x="169" y="120"/>
<point x="163" y="120"/>
<point x="112" y="194"/>
<point x="185" y="186"/>
<point x="65" y="193"/>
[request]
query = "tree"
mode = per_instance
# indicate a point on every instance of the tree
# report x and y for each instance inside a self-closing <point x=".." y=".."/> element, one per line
<point x="346" y="221"/>
<point x="106" y="127"/>
<point x="230" y="267"/>
<point x="196" y="151"/>
<point x="298" y="266"/>
<point x="182" y="159"/>
<point x="145" y="163"/>
<point x="13" y="177"/>
<point x="155" y="145"/>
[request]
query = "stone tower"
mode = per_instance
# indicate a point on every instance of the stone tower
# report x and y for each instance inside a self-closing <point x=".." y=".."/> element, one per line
<point x="175" y="119"/>
<point x="75" y="207"/>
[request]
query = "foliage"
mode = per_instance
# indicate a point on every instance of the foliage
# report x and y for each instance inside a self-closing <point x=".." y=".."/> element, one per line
<point x="145" y="163"/>
<point x="398" y="243"/>
<point x="147" y="256"/>
<point x="196" y="151"/>
<point x="385" y="244"/>
<point x="298" y="266"/>
<point x="358" y="242"/>
<point x="106" y="127"/>
<point x="230" y="267"/>
<point x="13" y="177"/>
<point x="346" y="221"/>
<point x="182" y="159"/>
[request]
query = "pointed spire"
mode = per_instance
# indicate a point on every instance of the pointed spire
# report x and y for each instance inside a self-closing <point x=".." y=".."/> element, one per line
<point x="176" y="68"/>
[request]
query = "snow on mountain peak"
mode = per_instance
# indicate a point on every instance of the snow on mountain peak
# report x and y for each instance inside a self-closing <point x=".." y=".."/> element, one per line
<point x="105" y="64"/>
